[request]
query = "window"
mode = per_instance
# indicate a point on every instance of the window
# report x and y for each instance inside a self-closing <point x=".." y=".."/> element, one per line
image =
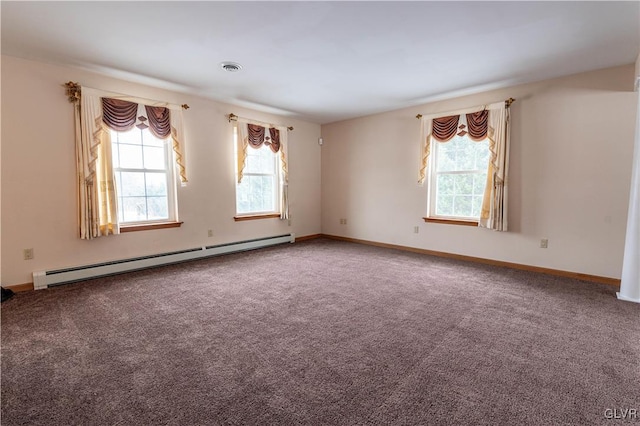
<point x="144" y="179"/>
<point x="258" y="193"/>
<point x="458" y="177"/>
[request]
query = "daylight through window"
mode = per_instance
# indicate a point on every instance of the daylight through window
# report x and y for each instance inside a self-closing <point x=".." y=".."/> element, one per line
<point x="257" y="193"/>
<point x="144" y="179"/>
<point x="458" y="178"/>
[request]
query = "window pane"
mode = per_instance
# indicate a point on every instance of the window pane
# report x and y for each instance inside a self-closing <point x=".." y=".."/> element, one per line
<point x="134" y="208"/>
<point x="132" y="184"/>
<point x="477" y="206"/>
<point x="154" y="158"/>
<point x="445" y="185"/>
<point x="156" y="184"/>
<point x="446" y="157"/>
<point x="464" y="184"/>
<point x="149" y="139"/>
<point x="462" y="206"/>
<point x="466" y="158"/>
<point x="255" y="194"/>
<point x="444" y="205"/>
<point x="157" y="208"/>
<point x="482" y="154"/>
<point x="131" y="137"/>
<point x="260" y="160"/>
<point x="130" y="156"/>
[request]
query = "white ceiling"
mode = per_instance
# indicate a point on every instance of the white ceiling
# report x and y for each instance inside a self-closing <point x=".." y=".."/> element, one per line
<point x="326" y="61"/>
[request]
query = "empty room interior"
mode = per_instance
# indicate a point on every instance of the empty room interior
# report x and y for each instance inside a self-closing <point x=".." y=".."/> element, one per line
<point x="320" y="213"/>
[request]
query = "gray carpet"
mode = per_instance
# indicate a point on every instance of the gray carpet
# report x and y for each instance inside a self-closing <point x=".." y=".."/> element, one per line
<point x="320" y="332"/>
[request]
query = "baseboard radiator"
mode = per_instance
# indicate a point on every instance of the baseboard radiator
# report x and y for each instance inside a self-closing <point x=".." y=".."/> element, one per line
<point x="42" y="280"/>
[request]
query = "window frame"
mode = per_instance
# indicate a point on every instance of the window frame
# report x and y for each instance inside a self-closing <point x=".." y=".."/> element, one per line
<point x="432" y="176"/>
<point x="171" y="182"/>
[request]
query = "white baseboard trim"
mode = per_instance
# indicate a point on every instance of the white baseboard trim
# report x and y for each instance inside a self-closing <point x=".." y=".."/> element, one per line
<point x="626" y="299"/>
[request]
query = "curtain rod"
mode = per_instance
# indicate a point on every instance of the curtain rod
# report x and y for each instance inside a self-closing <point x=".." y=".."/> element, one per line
<point x="507" y="103"/>
<point x="74" y="89"/>
<point x="233" y="117"/>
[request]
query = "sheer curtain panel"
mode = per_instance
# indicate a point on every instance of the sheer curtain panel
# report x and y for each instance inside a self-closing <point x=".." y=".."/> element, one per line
<point x="494" y="203"/>
<point x="97" y="192"/>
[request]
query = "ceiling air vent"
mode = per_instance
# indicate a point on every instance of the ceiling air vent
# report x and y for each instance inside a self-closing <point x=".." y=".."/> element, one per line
<point x="231" y="66"/>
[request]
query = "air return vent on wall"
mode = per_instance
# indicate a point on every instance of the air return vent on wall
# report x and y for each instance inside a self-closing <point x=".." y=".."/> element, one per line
<point x="42" y="280"/>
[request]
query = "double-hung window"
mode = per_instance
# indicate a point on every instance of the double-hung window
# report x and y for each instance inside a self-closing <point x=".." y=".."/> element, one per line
<point x="257" y="192"/>
<point x="465" y="162"/>
<point x="457" y="151"/>
<point x="457" y="178"/>
<point x="125" y="152"/>
<point x="145" y="182"/>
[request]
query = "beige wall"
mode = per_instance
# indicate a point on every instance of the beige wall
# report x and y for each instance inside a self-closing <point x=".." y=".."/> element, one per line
<point x="38" y="175"/>
<point x="571" y="151"/>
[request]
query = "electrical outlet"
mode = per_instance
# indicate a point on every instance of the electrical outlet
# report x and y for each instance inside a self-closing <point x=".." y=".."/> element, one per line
<point x="210" y="233"/>
<point x="416" y="229"/>
<point x="544" y="243"/>
<point x="28" y="254"/>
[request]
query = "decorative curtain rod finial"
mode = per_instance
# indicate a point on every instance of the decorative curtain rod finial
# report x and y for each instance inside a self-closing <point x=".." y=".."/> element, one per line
<point x="290" y="128"/>
<point x="184" y="106"/>
<point x="419" y="116"/>
<point x="508" y="102"/>
<point x="73" y="91"/>
<point x="232" y="117"/>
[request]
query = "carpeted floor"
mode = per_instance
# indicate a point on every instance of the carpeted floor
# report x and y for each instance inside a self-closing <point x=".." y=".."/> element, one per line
<point x="320" y="332"/>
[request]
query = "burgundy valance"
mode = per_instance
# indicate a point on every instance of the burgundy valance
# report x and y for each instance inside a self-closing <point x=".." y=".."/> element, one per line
<point x="256" y="137"/>
<point x="275" y="139"/>
<point x="159" y="121"/>
<point x="120" y="115"/>
<point x="445" y="128"/>
<point x="478" y="124"/>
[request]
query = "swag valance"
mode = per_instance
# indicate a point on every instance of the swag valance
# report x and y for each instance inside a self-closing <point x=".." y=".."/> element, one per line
<point x="121" y="116"/>
<point x="256" y="136"/>
<point x="445" y="128"/>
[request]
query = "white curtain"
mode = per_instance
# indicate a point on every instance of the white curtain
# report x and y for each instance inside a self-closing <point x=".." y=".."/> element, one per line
<point x="425" y="147"/>
<point x="494" y="203"/>
<point x="97" y="190"/>
<point x="284" y="174"/>
<point x="242" y="143"/>
<point x="630" y="282"/>
<point x="177" y="143"/>
<point x="241" y="149"/>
